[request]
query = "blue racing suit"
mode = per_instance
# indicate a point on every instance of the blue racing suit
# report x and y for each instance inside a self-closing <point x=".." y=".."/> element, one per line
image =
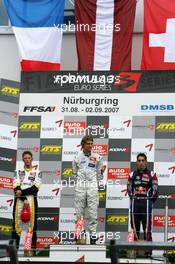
<point x="142" y="189"/>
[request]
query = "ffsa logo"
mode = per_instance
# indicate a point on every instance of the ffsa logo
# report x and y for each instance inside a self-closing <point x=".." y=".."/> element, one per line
<point x="39" y="109"/>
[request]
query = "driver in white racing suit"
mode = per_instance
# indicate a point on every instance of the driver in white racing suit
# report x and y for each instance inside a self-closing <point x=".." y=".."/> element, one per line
<point x="87" y="170"/>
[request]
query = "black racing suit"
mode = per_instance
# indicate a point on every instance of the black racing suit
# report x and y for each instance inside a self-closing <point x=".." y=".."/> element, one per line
<point x="142" y="189"/>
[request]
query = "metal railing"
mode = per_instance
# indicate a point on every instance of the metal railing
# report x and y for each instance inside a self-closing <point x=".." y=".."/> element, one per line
<point x="8" y="249"/>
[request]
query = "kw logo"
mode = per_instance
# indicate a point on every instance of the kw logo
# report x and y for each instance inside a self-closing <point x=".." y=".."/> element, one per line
<point x="5" y="228"/>
<point x="165" y="126"/>
<point x="51" y="149"/>
<point x="8" y="90"/>
<point x="102" y="195"/>
<point x="29" y="126"/>
<point x="119" y="219"/>
<point x="67" y="172"/>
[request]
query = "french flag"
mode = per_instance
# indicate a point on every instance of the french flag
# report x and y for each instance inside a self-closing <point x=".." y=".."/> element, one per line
<point x="37" y="25"/>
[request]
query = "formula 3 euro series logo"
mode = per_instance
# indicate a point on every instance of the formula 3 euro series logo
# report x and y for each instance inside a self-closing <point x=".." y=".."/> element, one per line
<point x="124" y="81"/>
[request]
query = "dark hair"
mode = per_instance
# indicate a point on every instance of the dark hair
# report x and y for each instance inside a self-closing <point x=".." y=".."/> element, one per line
<point x="86" y="138"/>
<point x="27" y="153"/>
<point x="142" y="155"/>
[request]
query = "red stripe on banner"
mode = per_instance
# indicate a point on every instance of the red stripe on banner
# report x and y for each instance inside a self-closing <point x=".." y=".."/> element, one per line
<point x="85" y="14"/>
<point x="29" y="65"/>
<point x="124" y="14"/>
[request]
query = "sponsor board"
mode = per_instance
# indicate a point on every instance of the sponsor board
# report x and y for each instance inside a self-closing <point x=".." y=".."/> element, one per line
<point x="7" y="159"/>
<point x="6" y="205"/>
<point x="48" y="219"/>
<point x="159" y="220"/>
<point x="43" y="242"/>
<point x="118" y="173"/>
<point x="6" y="182"/>
<point x="116" y="196"/>
<point x="53" y="128"/>
<point x="101" y="149"/>
<point x="144" y="146"/>
<point x="120" y="127"/>
<point x="49" y="194"/>
<point x="8" y="136"/>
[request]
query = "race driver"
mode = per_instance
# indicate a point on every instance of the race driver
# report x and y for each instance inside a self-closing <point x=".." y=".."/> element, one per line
<point x="142" y="189"/>
<point x="87" y="170"/>
<point x="26" y="184"/>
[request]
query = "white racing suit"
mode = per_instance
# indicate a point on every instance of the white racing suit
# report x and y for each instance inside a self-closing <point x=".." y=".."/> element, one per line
<point x="29" y="183"/>
<point x="87" y="170"/>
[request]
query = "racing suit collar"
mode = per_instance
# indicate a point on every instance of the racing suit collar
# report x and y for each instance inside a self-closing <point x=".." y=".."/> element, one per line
<point x="87" y="154"/>
<point x="145" y="170"/>
<point x="27" y="169"/>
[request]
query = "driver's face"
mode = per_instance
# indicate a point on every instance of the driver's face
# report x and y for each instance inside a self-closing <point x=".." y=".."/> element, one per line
<point x="141" y="163"/>
<point x="27" y="159"/>
<point x="87" y="147"/>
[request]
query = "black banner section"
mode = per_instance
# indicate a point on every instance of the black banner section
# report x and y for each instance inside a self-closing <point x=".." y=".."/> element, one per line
<point x="98" y="82"/>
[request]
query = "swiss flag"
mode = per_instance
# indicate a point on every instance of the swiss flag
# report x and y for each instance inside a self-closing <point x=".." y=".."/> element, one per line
<point x="159" y="35"/>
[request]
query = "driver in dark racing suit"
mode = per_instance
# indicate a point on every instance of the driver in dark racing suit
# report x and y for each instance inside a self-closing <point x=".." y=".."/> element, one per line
<point x="142" y="189"/>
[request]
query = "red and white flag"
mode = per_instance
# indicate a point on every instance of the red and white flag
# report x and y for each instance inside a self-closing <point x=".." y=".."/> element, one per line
<point x="159" y="35"/>
<point x="104" y="34"/>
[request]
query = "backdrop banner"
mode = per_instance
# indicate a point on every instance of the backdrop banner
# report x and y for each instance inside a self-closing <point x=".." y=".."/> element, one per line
<point x="99" y="82"/>
<point x="9" y="110"/>
<point x="122" y="122"/>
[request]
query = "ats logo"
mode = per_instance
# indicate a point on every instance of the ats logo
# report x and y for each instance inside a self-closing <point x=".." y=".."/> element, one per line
<point x="6" y="229"/>
<point x="74" y="127"/>
<point x="165" y="127"/>
<point x="67" y="172"/>
<point x="51" y="149"/>
<point x="10" y="91"/>
<point x="118" y="173"/>
<point x="102" y="150"/>
<point x="39" y="109"/>
<point x="117" y="219"/>
<point x="29" y="126"/>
